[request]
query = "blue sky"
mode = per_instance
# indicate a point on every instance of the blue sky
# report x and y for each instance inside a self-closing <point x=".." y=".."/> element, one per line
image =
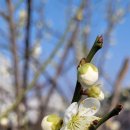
<point x="55" y="15"/>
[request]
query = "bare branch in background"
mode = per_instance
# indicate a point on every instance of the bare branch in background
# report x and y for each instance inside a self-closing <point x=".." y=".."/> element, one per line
<point x="4" y="15"/>
<point x="27" y="46"/>
<point x="61" y="65"/>
<point x="80" y="45"/>
<point x="118" y="82"/>
<point x="113" y="19"/>
<point x="43" y="44"/>
<point x="13" y="47"/>
<point x="43" y="67"/>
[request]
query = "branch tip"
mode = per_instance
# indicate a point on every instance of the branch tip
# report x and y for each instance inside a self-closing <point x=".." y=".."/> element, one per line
<point x="95" y="122"/>
<point x="119" y="107"/>
<point x="100" y="38"/>
<point x="111" y="114"/>
<point x="99" y="41"/>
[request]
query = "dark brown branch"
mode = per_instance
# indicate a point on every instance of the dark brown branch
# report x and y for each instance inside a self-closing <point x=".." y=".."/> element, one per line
<point x="27" y="50"/>
<point x="27" y="45"/>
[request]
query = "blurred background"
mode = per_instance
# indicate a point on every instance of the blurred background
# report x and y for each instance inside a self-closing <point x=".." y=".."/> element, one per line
<point x="41" y="44"/>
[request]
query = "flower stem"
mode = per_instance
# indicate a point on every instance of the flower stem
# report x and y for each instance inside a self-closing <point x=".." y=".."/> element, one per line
<point x="113" y="113"/>
<point x="97" y="45"/>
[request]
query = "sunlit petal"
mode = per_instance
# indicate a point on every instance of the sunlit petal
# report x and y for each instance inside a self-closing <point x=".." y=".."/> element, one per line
<point x="101" y="96"/>
<point x="89" y="107"/>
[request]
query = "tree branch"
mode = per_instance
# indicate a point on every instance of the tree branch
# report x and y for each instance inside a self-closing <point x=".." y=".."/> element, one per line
<point x="117" y="88"/>
<point x="97" y="45"/>
<point x="14" y="53"/>
<point x="113" y="113"/>
<point x="27" y="46"/>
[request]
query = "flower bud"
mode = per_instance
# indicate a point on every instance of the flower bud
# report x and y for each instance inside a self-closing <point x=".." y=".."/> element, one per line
<point x="95" y="91"/>
<point x="87" y="74"/>
<point x="51" y="122"/>
<point x="4" y="121"/>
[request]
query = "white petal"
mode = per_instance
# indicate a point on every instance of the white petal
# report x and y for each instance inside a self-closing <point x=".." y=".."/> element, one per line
<point x="90" y="78"/>
<point x="89" y="107"/>
<point x="71" y="110"/>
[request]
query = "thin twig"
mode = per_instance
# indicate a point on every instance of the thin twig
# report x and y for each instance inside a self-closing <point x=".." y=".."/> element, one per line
<point x="113" y="113"/>
<point x="117" y="88"/>
<point x="13" y="45"/>
<point x="4" y="15"/>
<point x="14" y="52"/>
<point x="27" y="45"/>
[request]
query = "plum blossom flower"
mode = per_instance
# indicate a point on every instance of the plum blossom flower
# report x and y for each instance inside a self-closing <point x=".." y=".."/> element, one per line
<point x="51" y="122"/>
<point x="80" y="117"/>
<point x="87" y="74"/>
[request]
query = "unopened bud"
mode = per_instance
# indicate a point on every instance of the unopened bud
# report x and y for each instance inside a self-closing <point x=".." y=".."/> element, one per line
<point x="87" y="74"/>
<point x="51" y="122"/>
<point x="96" y="92"/>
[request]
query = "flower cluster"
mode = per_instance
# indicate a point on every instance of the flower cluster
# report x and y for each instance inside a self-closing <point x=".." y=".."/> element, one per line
<point x="79" y="116"/>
